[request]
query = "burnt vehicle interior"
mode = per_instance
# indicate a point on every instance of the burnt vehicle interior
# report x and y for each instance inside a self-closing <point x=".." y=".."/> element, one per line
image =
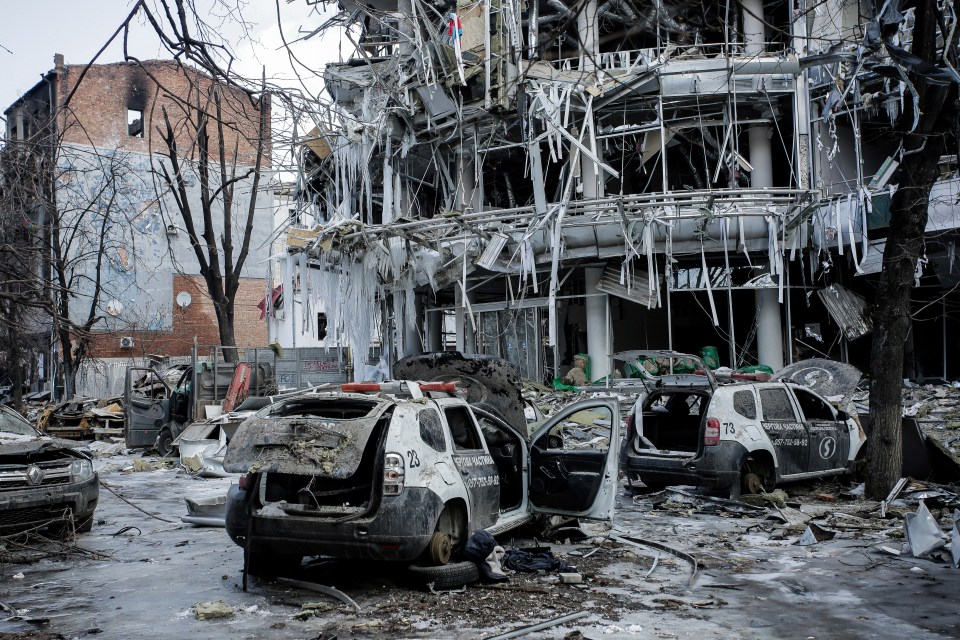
<point x="322" y="493"/>
<point x="337" y="409"/>
<point x="567" y="464"/>
<point x="672" y="421"/>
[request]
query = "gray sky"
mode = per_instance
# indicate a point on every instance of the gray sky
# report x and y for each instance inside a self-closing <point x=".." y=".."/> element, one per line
<point x="32" y="31"/>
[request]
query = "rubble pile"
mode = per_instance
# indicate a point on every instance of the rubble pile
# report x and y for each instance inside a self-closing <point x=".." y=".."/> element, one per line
<point x="936" y="408"/>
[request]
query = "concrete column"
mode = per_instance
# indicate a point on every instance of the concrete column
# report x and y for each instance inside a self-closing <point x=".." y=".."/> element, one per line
<point x="589" y="51"/>
<point x="412" y="334"/>
<point x="406" y="27"/>
<point x="753" y="27"/>
<point x="598" y="328"/>
<point x="587" y="26"/>
<point x="769" y="329"/>
<point x="769" y="324"/>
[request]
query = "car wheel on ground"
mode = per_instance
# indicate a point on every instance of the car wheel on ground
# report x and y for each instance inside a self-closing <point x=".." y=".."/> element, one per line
<point x="448" y="576"/>
<point x="165" y="443"/>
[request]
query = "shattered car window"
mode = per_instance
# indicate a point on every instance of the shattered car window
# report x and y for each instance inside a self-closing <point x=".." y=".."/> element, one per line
<point x="745" y="404"/>
<point x="431" y="430"/>
<point x="12" y="424"/>
<point x="813" y="408"/>
<point x="776" y="405"/>
<point x="588" y="429"/>
<point x="462" y="429"/>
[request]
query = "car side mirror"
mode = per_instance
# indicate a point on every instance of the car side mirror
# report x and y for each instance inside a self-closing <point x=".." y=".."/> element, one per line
<point x="842" y="416"/>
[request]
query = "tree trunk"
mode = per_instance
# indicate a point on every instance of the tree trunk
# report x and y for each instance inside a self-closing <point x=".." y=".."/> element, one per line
<point x="891" y="316"/>
<point x="918" y="171"/>
<point x="225" y="326"/>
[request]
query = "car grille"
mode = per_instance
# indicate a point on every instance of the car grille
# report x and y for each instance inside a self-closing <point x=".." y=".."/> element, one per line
<point x="14" y="476"/>
<point x="33" y="515"/>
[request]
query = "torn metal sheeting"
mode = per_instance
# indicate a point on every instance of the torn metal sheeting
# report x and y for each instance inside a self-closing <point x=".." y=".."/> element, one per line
<point x="814" y="533"/>
<point x="955" y="538"/>
<point x="640" y="542"/>
<point x="207" y="512"/>
<point x="848" y="309"/>
<point x="320" y="588"/>
<point x="894" y="492"/>
<point x="922" y="532"/>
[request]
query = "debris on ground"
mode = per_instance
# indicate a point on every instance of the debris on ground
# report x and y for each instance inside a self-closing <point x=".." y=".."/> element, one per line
<point x="83" y="418"/>
<point x="216" y="610"/>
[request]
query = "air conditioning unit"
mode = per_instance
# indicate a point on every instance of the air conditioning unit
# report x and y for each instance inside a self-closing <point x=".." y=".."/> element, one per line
<point x="126" y="342"/>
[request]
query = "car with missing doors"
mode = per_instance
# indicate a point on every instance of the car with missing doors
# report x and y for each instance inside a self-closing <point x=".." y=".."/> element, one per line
<point x="406" y="471"/>
<point x="746" y="436"/>
<point x="45" y="483"/>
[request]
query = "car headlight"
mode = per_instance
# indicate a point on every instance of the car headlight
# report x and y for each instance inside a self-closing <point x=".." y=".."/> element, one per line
<point x="81" y="470"/>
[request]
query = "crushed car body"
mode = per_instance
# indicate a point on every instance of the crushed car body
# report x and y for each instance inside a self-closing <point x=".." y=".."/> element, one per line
<point x="404" y="471"/>
<point x="44" y="482"/>
<point x="743" y="436"/>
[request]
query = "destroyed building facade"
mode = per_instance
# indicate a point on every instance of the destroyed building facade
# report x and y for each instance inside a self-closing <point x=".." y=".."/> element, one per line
<point x="533" y="179"/>
<point x="96" y="135"/>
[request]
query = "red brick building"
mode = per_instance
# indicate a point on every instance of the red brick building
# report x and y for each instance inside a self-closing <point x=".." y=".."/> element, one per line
<point x="109" y="123"/>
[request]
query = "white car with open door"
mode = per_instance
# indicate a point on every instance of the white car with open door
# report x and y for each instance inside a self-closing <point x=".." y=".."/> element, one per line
<point x="742" y="437"/>
<point x="406" y="472"/>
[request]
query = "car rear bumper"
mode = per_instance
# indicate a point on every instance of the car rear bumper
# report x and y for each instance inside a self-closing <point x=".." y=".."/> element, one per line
<point x="26" y="508"/>
<point x="400" y="529"/>
<point x="716" y="467"/>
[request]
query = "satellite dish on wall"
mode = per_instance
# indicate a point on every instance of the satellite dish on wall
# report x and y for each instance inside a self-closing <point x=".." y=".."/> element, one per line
<point x="114" y="307"/>
<point x="184" y="299"/>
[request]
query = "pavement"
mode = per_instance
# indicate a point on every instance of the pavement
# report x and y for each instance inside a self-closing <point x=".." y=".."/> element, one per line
<point x="139" y="575"/>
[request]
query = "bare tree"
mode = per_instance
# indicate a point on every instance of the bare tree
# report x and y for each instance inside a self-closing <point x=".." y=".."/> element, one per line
<point x="219" y="223"/>
<point x="62" y="209"/>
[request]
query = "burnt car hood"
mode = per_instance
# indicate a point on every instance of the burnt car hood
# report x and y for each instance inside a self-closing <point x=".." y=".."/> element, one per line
<point x="12" y="444"/>
<point x="491" y="383"/>
<point x="826" y="377"/>
<point x="301" y="445"/>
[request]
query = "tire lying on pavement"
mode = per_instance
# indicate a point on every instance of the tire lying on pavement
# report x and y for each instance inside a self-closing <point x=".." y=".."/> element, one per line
<point x="448" y="576"/>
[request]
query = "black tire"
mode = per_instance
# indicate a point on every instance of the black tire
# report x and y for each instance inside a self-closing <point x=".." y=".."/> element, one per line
<point x="264" y="564"/>
<point x="447" y="576"/>
<point x="164" y="444"/>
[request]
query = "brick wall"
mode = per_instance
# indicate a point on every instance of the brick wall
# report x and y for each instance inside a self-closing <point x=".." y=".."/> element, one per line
<point x="97" y="112"/>
<point x="198" y="319"/>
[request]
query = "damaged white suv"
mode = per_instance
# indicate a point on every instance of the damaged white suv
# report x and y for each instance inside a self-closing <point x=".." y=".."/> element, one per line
<point x="744" y="437"/>
<point x="406" y="471"/>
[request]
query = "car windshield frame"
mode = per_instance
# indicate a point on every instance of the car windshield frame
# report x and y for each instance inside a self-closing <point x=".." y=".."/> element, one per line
<point x="13" y="423"/>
